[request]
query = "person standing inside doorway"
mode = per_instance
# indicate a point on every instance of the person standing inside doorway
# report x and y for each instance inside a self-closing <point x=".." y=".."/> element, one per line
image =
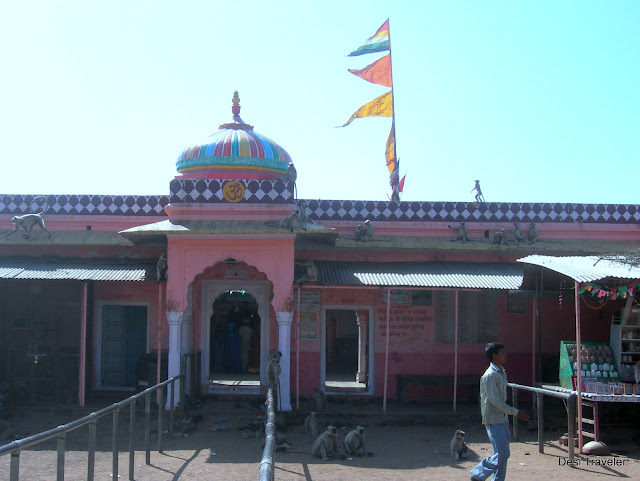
<point x="495" y="415"/>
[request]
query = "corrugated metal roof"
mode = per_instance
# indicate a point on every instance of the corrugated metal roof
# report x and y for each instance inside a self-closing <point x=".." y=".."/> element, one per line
<point x="77" y="269"/>
<point x="469" y="275"/>
<point x="585" y="268"/>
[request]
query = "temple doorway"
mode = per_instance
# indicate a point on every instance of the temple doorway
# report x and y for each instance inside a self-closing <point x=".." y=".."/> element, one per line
<point x="346" y="350"/>
<point x="234" y="338"/>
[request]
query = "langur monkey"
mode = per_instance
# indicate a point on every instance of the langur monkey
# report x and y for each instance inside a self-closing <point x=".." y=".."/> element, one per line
<point x="532" y="236"/>
<point x="304" y="215"/>
<point x="354" y="443"/>
<point x="364" y="232"/>
<point x="29" y="221"/>
<point x="499" y="237"/>
<point x="319" y="400"/>
<point x="292" y="222"/>
<point x="462" y="231"/>
<point x="458" y="446"/>
<point x="311" y="425"/>
<point x="325" y="445"/>
<point x="517" y="234"/>
<point x="273" y="374"/>
<point x="161" y="268"/>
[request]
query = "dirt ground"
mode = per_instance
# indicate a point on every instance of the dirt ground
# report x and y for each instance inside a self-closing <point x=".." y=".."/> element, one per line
<point x="216" y="448"/>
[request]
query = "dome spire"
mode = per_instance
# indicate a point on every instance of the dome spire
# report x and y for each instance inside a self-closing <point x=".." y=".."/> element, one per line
<point x="238" y="123"/>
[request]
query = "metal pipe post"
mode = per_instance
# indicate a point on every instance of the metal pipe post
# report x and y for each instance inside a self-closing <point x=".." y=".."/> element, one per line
<point x="514" y="395"/>
<point x="147" y="428"/>
<point x="61" y="450"/>
<point x="92" y="449"/>
<point x="114" y="443"/>
<point x="132" y="426"/>
<point x="540" y="423"/>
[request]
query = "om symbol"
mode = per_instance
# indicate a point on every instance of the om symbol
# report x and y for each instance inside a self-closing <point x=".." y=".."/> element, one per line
<point x="233" y="191"/>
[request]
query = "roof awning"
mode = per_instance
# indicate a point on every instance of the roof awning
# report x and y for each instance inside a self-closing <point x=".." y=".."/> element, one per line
<point x="77" y="269"/>
<point x="464" y="275"/>
<point x="585" y="268"/>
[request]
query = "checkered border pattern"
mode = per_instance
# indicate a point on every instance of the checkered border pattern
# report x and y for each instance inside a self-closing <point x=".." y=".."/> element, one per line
<point x="210" y="191"/>
<point x="129" y="205"/>
<point x="470" y="212"/>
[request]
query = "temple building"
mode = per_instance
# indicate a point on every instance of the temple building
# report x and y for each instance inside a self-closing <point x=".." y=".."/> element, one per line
<point x="233" y="264"/>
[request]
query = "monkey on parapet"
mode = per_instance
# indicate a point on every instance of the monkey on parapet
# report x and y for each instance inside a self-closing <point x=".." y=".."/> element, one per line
<point x="364" y="232"/>
<point x="29" y="221"/>
<point x="479" y="196"/>
<point x="499" y="237"/>
<point x="304" y="215"/>
<point x="462" y="232"/>
<point x="517" y="234"/>
<point x="292" y="222"/>
<point x="354" y="443"/>
<point x="532" y="235"/>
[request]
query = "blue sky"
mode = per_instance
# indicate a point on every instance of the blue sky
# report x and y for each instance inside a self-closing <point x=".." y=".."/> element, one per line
<point x="540" y="101"/>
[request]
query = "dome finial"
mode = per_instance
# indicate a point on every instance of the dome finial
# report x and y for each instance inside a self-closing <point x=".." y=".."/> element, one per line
<point x="235" y="109"/>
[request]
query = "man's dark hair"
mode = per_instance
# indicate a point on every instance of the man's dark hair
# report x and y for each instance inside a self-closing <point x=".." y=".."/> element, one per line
<point x="493" y="348"/>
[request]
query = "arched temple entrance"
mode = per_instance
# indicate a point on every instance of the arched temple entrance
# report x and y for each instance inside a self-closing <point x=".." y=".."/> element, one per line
<point x="235" y="306"/>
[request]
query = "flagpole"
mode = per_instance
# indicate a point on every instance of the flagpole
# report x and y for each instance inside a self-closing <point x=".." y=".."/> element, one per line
<point x="393" y="113"/>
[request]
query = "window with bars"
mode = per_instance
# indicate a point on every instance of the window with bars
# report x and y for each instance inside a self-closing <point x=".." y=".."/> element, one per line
<point x="477" y="317"/>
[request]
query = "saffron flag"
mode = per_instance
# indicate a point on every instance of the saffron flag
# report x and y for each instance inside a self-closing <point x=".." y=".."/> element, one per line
<point x="378" y="42"/>
<point x="379" y="107"/>
<point x="389" y="152"/>
<point x="379" y="72"/>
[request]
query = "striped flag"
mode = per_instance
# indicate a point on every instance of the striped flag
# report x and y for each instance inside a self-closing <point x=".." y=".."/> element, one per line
<point x="379" y="72"/>
<point x="378" y="42"/>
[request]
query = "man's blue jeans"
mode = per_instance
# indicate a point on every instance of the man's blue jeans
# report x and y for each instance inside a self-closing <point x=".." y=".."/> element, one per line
<point x="499" y="437"/>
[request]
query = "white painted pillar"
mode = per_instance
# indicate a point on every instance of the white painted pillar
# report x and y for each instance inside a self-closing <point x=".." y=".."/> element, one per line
<point x="284" y="346"/>
<point x="361" y="375"/>
<point x="185" y="346"/>
<point x="175" y="343"/>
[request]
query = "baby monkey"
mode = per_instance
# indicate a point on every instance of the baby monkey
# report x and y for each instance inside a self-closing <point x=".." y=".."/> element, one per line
<point x="311" y="425"/>
<point x="354" y="443"/>
<point x="458" y="446"/>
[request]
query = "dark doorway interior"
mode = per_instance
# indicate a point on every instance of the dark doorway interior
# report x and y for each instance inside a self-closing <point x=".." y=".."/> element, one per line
<point x="235" y="337"/>
<point x="342" y="346"/>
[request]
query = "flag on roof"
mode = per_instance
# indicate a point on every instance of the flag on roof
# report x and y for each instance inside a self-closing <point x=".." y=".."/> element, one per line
<point x="378" y="107"/>
<point x="400" y="187"/>
<point x="389" y="152"/>
<point x="379" y="72"/>
<point x="378" y="42"/>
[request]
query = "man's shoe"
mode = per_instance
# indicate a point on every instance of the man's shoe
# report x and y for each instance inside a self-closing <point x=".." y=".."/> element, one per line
<point x="473" y="478"/>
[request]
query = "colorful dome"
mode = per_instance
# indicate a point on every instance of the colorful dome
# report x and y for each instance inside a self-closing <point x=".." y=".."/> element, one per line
<point x="234" y="152"/>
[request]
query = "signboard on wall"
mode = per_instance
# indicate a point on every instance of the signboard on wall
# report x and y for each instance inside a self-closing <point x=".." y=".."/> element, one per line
<point x="410" y="330"/>
<point x="308" y="325"/>
<point x="309" y="301"/>
<point x="397" y="296"/>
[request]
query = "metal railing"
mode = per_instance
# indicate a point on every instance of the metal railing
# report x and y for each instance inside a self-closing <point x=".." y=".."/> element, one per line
<point x="60" y="432"/>
<point x="570" y="405"/>
<point x="267" y="465"/>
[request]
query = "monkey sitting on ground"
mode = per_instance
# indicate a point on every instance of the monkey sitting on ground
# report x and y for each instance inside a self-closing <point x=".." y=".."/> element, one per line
<point x="325" y="445"/>
<point x="458" y="446"/>
<point x="311" y="425"/>
<point x="319" y="400"/>
<point x="354" y="443"/>
<point x="27" y="222"/>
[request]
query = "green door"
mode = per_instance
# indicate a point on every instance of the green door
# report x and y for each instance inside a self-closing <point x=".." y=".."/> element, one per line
<point x="124" y="340"/>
